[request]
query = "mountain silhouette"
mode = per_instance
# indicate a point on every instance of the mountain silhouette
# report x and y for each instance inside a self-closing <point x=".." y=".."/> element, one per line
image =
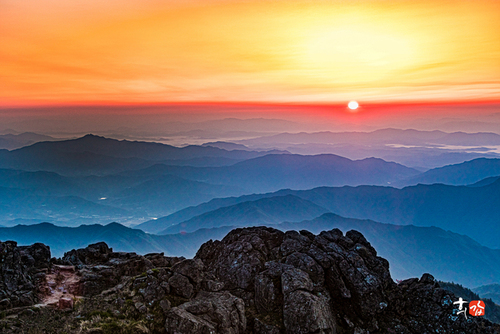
<point x="473" y="211"/>
<point x="265" y="211"/>
<point x="468" y="172"/>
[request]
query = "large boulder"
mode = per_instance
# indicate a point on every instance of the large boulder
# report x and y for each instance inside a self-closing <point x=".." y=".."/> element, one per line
<point x="298" y="282"/>
<point x="100" y="268"/>
<point x="22" y="270"/>
<point x="209" y="312"/>
<point x="97" y="253"/>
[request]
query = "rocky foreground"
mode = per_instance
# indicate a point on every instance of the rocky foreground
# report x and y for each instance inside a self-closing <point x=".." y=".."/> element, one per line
<point x="256" y="280"/>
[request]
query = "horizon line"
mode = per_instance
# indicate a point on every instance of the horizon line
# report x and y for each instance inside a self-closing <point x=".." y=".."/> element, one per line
<point x="82" y="104"/>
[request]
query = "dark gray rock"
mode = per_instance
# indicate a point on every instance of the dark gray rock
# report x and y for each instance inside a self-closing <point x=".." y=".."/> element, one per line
<point x="22" y="271"/>
<point x="159" y="260"/>
<point x="327" y="283"/>
<point x="181" y="286"/>
<point x="100" y="268"/>
<point x="97" y="253"/>
<point x="304" y="312"/>
<point x="241" y="255"/>
<point x="180" y="321"/>
<point x="262" y="328"/>
<point x="209" y="312"/>
<point x="192" y="269"/>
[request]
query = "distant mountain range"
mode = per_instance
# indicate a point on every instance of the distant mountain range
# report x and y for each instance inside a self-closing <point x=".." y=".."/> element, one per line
<point x="72" y="201"/>
<point x="63" y="239"/>
<point x="410" y="250"/>
<point x="491" y="291"/>
<point x="111" y="180"/>
<point x="265" y="211"/>
<point x="95" y="155"/>
<point x="413" y="148"/>
<point x="98" y="180"/>
<point x="277" y="171"/>
<point x="468" y="172"/>
<point x="13" y="141"/>
<point x="142" y="150"/>
<point x="382" y="136"/>
<point x="473" y="211"/>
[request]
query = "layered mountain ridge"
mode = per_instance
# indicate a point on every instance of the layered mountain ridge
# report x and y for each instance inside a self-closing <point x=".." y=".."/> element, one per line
<point x="411" y="250"/>
<point x="469" y="210"/>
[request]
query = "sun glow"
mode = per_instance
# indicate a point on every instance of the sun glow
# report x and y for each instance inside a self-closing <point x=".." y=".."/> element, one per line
<point x="353" y="105"/>
<point x="358" y="54"/>
<point x="254" y="50"/>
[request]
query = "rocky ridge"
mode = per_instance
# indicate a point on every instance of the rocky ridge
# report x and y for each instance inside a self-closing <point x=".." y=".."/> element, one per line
<point x="22" y="270"/>
<point x="255" y="280"/>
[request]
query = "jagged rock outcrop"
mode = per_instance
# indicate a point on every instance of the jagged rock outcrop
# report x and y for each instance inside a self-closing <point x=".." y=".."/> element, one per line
<point x="22" y="268"/>
<point x="100" y="268"/>
<point x="263" y="281"/>
<point x="97" y="253"/>
<point x="298" y="282"/>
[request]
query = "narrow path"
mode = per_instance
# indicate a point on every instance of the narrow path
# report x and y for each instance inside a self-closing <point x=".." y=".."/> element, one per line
<point x="62" y="287"/>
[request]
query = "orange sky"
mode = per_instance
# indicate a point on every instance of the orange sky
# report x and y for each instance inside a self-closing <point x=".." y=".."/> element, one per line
<point x="134" y="51"/>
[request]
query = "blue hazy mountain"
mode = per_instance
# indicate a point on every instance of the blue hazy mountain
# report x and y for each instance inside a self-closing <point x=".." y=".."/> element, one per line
<point x="473" y="211"/>
<point x="63" y="239"/>
<point x="12" y="141"/>
<point x="18" y="204"/>
<point x="128" y="188"/>
<point x="485" y="182"/>
<point x="121" y="238"/>
<point x="167" y="193"/>
<point x="160" y="224"/>
<point x="39" y="158"/>
<point x="41" y="183"/>
<point x="277" y="171"/>
<point x="302" y="172"/>
<point x="227" y="145"/>
<point x="258" y="172"/>
<point x="410" y="250"/>
<point x="140" y="149"/>
<point x="99" y="156"/>
<point x="491" y="291"/>
<point x="265" y="211"/>
<point x="409" y="137"/>
<point x="382" y="136"/>
<point x="72" y="201"/>
<point x="159" y="190"/>
<point x="468" y="172"/>
<point x="412" y="148"/>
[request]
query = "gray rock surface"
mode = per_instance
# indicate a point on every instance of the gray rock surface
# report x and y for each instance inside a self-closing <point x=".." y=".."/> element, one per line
<point x="22" y="270"/>
<point x="209" y="312"/>
<point x="298" y="282"/>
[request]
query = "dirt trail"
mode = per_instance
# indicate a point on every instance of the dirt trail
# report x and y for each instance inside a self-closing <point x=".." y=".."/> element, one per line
<point x="62" y="287"/>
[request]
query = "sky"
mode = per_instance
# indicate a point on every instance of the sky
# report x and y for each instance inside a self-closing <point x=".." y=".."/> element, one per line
<point x="94" y="52"/>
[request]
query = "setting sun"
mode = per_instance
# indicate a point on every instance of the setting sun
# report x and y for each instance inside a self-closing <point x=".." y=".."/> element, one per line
<point x="353" y="105"/>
